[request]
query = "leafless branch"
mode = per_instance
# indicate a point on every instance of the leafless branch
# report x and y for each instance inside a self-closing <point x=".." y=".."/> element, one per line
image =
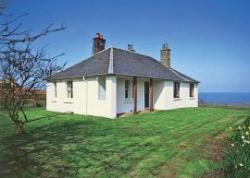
<point x="22" y="70"/>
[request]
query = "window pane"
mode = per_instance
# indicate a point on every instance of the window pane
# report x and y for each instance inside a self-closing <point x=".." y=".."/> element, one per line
<point x="126" y="93"/>
<point x="127" y="89"/>
<point x="126" y="84"/>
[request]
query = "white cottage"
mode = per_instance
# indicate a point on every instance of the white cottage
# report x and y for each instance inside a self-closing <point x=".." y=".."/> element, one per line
<point x="115" y="81"/>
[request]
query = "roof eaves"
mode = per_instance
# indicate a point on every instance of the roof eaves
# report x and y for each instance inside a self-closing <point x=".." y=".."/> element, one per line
<point x="183" y="76"/>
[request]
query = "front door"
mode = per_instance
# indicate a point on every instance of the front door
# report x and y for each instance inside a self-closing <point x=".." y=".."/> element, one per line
<point x="146" y="94"/>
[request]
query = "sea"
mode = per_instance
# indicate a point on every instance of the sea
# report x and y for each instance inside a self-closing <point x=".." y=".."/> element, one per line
<point x="225" y="98"/>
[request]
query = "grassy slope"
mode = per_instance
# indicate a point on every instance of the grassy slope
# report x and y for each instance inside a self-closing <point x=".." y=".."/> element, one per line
<point x="173" y="143"/>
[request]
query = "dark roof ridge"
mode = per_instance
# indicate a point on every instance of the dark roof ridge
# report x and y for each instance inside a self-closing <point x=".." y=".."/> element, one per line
<point x="133" y="52"/>
<point x="149" y="57"/>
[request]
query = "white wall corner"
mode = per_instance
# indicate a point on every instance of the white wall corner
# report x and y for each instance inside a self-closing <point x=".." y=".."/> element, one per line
<point x="111" y="96"/>
<point x="48" y="97"/>
<point x="85" y="96"/>
<point x="196" y="89"/>
<point x="165" y="88"/>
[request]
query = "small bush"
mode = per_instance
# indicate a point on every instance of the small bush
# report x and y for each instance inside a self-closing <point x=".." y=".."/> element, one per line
<point x="40" y="103"/>
<point x="237" y="158"/>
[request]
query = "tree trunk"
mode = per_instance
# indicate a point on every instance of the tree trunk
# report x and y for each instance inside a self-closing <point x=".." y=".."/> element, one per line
<point x="19" y="128"/>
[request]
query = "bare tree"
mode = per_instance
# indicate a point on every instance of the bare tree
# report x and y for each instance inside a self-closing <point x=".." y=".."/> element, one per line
<point x="22" y="68"/>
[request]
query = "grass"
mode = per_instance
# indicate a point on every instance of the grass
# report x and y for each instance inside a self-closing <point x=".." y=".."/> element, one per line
<point x="178" y="143"/>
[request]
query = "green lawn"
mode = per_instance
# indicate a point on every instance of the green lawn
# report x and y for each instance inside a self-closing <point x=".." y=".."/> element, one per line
<point x="179" y="143"/>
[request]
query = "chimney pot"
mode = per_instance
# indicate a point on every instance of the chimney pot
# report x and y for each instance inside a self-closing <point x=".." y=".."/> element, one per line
<point x="165" y="46"/>
<point x="131" y="48"/>
<point x="97" y="35"/>
<point x="98" y="43"/>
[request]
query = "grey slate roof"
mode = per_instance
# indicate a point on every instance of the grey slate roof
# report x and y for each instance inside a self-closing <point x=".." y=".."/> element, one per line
<point x="124" y="63"/>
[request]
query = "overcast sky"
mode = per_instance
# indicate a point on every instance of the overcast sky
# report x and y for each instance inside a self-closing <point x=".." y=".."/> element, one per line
<point x="210" y="40"/>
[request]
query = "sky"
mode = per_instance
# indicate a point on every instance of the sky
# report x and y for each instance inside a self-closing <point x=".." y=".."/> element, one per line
<point x="209" y="39"/>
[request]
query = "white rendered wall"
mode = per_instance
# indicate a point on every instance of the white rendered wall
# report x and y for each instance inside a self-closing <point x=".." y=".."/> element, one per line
<point x="159" y="94"/>
<point x="163" y="96"/>
<point x="106" y="107"/>
<point x="85" y="97"/>
<point x="85" y="100"/>
<point x="62" y="103"/>
<point x="111" y="96"/>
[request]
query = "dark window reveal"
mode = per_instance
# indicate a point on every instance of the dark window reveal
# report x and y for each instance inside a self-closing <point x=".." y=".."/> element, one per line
<point x="70" y="89"/>
<point x="191" y="90"/>
<point x="176" y="90"/>
<point x="55" y="89"/>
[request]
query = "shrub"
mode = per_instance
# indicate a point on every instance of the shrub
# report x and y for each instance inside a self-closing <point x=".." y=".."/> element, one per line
<point x="237" y="158"/>
<point x="40" y="103"/>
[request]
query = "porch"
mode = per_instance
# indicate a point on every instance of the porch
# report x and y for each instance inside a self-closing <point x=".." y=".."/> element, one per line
<point x="135" y="95"/>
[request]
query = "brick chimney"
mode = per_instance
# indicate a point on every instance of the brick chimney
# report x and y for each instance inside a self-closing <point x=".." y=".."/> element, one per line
<point x="98" y="43"/>
<point x="165" y="55"/>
